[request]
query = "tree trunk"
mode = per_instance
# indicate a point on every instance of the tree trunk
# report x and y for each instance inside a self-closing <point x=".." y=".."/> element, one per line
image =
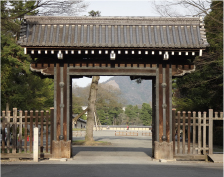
<point x="91" y="108"/>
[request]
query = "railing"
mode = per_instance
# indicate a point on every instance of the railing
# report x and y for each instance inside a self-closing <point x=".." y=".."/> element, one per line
<point x="193" y="135"/>
<point x="22" y="143"/>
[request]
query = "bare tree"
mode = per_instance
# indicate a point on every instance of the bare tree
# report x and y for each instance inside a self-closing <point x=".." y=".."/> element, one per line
<point x="46" y="8"/>
<point x="91" y="108"/>
<point x="182" y="7"/>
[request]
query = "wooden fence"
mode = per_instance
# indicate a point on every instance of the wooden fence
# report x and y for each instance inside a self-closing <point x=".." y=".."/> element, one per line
<point x="193" y="135"/>
<point x="21" y="145"/>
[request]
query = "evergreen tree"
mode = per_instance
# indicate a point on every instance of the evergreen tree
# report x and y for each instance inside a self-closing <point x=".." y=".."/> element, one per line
<point x="203" y="89"/>
<point x="146" y="114"/>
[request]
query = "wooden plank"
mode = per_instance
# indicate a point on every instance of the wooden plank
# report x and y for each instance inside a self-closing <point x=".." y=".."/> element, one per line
<point x="122" y="65"/>
<point x="83" y="64"/>
<point x="58" y="95"/>
<point x="128" y="65"/>
<point x="52" y="128"/>
<point x="189" y="132"/>
<point x="160" y="103"/>
<point x="204" y="132"/>
<point x="154" y="65"/>
<point x="194" y="131"/>
<point x="14" y="129"/>
<point x="210" y="140"/>
<point x="8" y="130"/>
<point x="141" y="65"/>
<point x="221" y="115"/>
<point x="167" y="91"/>
<point x="90" y="64"/>
<point x="20" y="131"/>
<point x="97" y="65"/>
<point x="36" y="118"/>
<point x="65" y="102"/>
<point x="199" y="132"/>
<point x="25" y="133"/>
<point x="41" y="131"/>
<point x="183" y="139"/>
<point x="178" y="133"/>
<point x="173" y="133"/>
<point x="3" y="131"/>
<point x="135" y="65"/>
<point x="216" y="115"/>
<point x="47" y="118"/>
<point x="31" y="131"/>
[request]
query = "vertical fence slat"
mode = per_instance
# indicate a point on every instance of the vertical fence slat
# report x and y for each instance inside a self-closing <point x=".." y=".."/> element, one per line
<point x="31" y="131"/>
<point x="3" y="131"/>
<point x="52" y="128"/>
<point x="174" y="125"/>
<point x="216" y="115"/>
<point x="14" y="130"/>
<point x="8" y="131"/>
<point x="221" y="115"/>
<point x="41" y="133"/>
<point x="47" y="117"/>
<point x="183" y="140"/>
<point x="189" y="133"/>
<point x="204" y="133"/>
<point x="210" y="131"/>
<point x="36" y="118"/>
<point x="25" y="133"/>
<point x="178" y="133"/>
<point x="20" y="131"/>
<point x="194" y="131"/>
<point x="199" y="133"/>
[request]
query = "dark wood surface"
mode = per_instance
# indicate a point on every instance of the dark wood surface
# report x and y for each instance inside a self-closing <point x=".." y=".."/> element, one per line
<point x="31" y="131"/>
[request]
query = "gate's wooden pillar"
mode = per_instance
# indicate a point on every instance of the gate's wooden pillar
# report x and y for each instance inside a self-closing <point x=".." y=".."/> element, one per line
<point x="153" y="114"/>
<point x="163" y="124"/>
<point x="61" y="143"/>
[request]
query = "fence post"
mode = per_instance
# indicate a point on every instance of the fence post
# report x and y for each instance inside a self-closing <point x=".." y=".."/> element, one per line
<point x="210" y="131"/>
<point x="25" y="133"/>
<point x="14" y="130"/>
<point x="35" y="145"/>
<point x="3" y="131"/>
<point x="199" y="133"/>
<point x="31" y="131"/>
<point x="194" y="131"/>
<point x="189" y="132"/>
<point x="36" y="118"/>
<point x="20" y="131"/>
<point x="52" y="128"/>
<point x="41" y="132"/>
<point x="8" y="131"/>
<point x="174" y="125"/>
<point x="178" y="133"/>
<point x="47" y="118"/>
<point x="183" y="138"/>
<point x="204" y="133"/>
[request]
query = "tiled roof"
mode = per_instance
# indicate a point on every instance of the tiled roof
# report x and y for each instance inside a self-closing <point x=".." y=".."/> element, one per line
<point x="126" y="32"/>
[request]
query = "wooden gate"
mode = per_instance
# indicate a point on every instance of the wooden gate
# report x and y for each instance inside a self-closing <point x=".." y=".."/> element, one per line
<point x="193" y="134"/>
<point x="17" y="133"/>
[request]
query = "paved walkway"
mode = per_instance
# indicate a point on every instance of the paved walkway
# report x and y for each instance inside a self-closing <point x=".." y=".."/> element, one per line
<point x="126" y="157"/>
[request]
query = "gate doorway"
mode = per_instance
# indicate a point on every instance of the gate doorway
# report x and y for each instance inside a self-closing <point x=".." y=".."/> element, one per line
<point x="111" y="130"/>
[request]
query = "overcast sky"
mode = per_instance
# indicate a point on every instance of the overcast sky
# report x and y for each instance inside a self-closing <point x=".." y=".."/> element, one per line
<point x="116" y="8"/>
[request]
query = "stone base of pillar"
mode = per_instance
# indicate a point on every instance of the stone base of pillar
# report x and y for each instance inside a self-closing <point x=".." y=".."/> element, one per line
<point x="163" y="150"/>
<point x="61" y="149"/>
